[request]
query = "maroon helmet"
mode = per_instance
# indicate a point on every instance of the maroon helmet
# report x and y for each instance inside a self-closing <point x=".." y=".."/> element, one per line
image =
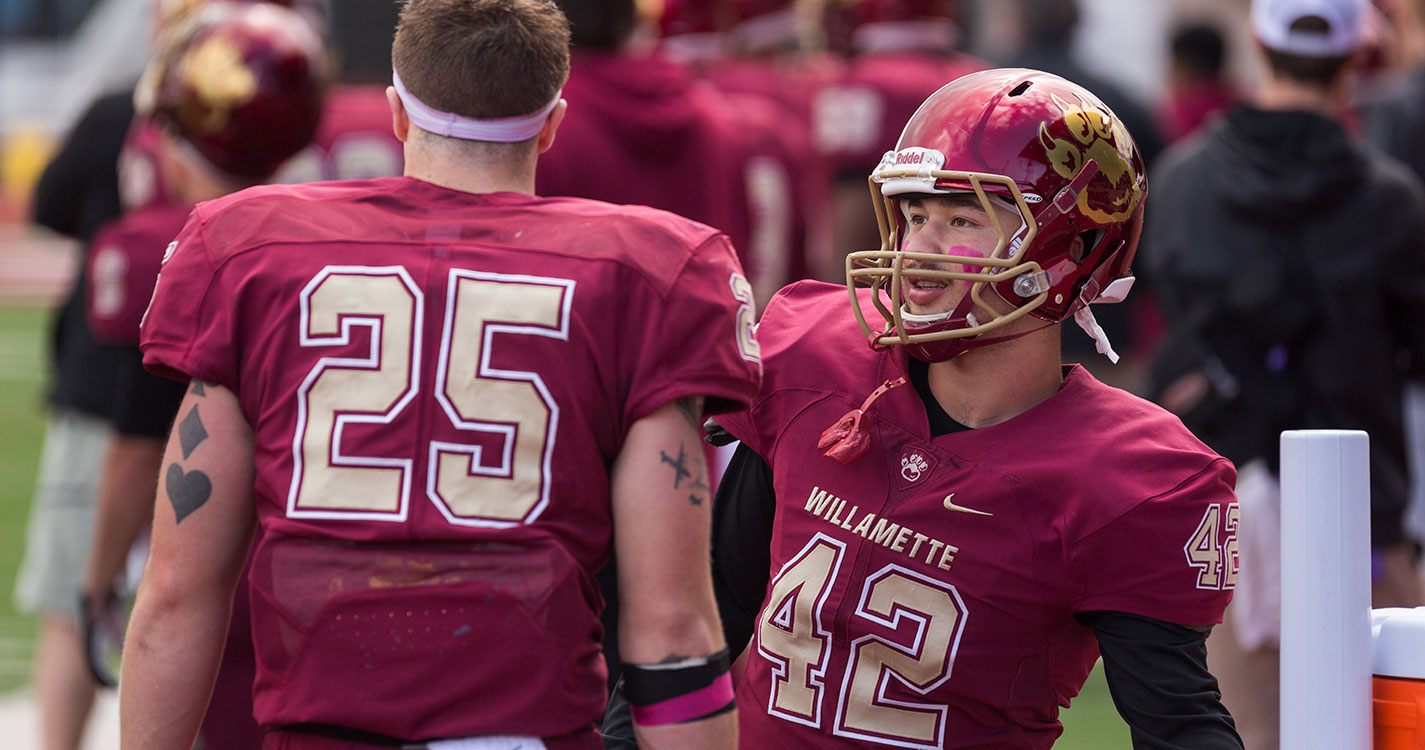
<point x="1046" y="148"/>
<point x="241" y="83"/>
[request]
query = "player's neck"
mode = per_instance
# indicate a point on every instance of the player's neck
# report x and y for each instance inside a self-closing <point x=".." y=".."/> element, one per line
<point x="472" y="170"/>
<point x="993" y="384"/>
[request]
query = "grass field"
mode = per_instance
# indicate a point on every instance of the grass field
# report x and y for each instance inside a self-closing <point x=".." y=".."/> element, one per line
<point x="1092" y="724"/>
<point x="21" y="429"/>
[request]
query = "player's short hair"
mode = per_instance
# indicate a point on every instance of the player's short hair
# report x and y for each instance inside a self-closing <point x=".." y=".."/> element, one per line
<point x="483" y="59"/>
<point x="1319" y="71"/>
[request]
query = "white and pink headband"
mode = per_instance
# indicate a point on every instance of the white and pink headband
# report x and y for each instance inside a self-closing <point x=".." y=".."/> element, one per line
<point x="501" y="130"/>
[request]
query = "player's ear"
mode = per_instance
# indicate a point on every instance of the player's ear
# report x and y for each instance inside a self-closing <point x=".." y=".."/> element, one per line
<point x="551" y="124"/>
<point x="400" y="122"/>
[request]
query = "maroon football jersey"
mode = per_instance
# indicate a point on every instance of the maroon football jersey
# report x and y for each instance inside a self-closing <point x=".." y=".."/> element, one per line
<point x="122" y="267"/>
<point x="438" y="383"/>
<point x="354" y="141"/>
<point x="857" y="119"/>
<point x="923" y="596"/>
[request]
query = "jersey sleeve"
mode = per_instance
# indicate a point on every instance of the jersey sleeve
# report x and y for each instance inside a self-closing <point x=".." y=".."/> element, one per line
<point x="1172" y="557"/>
<point x="698" y="340"/>
<point x="188" y="331"/>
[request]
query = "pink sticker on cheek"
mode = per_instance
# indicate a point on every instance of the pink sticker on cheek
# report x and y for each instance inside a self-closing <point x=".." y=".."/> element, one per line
<point x="967" y="252"/>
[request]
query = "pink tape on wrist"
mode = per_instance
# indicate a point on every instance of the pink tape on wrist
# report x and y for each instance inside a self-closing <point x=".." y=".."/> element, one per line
<point x="686" y="707"/>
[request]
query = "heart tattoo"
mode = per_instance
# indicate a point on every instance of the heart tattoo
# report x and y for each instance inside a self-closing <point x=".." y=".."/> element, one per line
<point x="186" y="491"/>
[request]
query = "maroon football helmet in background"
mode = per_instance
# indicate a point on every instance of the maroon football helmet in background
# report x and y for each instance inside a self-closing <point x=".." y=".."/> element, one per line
<point x="242" y="83"/>
<point x="1044" y="146"/>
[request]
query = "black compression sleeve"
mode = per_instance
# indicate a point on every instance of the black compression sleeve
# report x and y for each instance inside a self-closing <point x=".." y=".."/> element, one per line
<point x="742" y="542"/>
<point x="144" y="404"/>
<point x="1157" y="675"/>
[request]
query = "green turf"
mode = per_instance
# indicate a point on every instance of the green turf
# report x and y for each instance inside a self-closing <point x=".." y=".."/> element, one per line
<point x="21" y="429"/>
<point x="1091" y="722"/>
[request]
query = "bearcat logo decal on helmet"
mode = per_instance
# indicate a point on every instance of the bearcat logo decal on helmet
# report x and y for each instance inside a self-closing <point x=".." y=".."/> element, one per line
<point x="1103" y="139"/>
<point x="220" y="81"/>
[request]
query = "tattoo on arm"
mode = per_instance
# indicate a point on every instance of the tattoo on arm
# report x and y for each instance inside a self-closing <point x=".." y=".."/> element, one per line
<point x="682" y="471"/>
<point x="191" y="432"/>
<point x="199" y="388"/>
<point x="187" y="491"/>
<point x="680" y="466"/>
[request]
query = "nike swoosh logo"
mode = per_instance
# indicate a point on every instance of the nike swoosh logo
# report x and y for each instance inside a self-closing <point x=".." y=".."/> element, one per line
<point x="950" y="505"/>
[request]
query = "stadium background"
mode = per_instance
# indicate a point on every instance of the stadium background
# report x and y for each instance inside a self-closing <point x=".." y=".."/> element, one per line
<point x="57" y="55"/>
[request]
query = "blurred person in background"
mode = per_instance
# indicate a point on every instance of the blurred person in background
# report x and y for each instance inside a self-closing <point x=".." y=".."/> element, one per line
<point x="1198" y="87"/>
<point x="642" y="130"/>
<point x="1393" y="119"/>
<point x="77" y="192"/>
<point x="899" y="53"/>
<point x="235" y="92"/>
<point x="355" y="140"/>
<point x="1282" y="246"/>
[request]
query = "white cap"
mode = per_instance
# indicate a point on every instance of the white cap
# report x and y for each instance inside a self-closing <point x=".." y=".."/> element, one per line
<point x="1272" y="20"/>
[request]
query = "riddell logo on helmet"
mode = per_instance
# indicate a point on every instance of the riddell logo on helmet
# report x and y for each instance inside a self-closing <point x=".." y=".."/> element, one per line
<point x="914" y="157"/>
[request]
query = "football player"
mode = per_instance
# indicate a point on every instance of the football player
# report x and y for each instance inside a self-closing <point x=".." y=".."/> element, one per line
<point x="235" y="93"/>
<point x="957" y="525"/>
<point x="439" y="400"/>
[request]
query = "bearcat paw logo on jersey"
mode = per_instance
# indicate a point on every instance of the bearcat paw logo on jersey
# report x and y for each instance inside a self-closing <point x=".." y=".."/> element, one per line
<point x="220" y="82"/>
<point x="913" y="466"/>
<point x="1104" y="140"/>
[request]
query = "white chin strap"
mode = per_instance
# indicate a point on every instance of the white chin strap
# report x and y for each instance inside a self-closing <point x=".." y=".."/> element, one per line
<point x="1114" y="292"/>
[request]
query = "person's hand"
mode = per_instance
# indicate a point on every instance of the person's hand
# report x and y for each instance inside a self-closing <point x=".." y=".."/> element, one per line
<point x="103" y="619"/>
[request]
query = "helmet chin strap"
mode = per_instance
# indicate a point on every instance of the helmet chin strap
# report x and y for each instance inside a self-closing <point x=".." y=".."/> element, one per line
<point x="1084" y="317"/>
<point x="1116" y="291"/>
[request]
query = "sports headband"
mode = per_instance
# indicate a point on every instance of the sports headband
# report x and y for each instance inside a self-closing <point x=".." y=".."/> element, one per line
<point x="501" y="130"/>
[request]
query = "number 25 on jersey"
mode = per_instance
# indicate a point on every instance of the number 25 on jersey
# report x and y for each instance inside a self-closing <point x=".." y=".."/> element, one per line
<point x="473" y="395"/>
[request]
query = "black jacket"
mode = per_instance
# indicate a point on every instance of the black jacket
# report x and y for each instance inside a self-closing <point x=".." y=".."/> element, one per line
<point x="1289" y="258"/>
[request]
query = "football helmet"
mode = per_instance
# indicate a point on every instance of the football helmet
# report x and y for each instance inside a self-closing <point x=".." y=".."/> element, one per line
<point x="240" y="83"/>
<point x="1039" y="144"/>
